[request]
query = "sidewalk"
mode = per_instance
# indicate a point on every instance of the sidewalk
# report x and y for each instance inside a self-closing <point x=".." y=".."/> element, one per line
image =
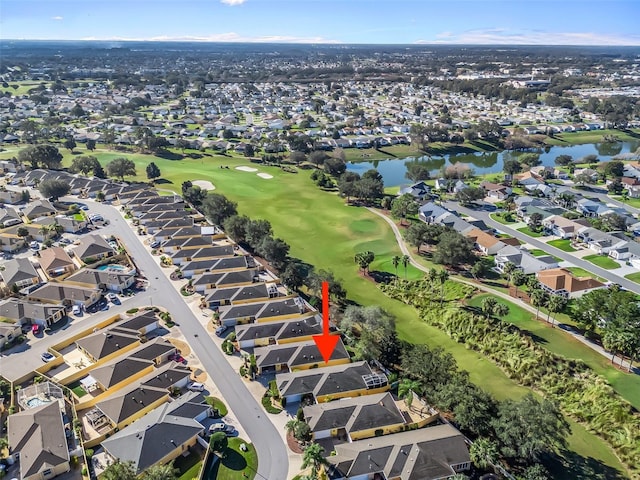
<point x="569" y="329"/>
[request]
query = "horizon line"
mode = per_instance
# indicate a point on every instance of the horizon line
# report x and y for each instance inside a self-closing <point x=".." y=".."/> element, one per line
<point x="334" y="43"/>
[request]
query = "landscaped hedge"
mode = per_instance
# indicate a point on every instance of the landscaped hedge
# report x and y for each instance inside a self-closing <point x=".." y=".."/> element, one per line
<point x="580" y="392"/>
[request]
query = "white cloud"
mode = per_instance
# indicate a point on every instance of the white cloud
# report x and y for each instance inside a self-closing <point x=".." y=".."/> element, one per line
<point x="499" y="36"/>
<point x="223" y="37"/>
<point x="233" y="2"/>
<point x="57" y="18"/>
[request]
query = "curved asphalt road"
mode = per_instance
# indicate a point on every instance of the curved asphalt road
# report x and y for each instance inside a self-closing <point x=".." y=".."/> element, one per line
<point x="273" y="463"/>
<point x="556" y="252"/>
<point x="570" y="330"/>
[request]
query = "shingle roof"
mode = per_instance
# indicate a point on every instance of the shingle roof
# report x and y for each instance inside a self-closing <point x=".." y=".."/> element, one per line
<point x="148" y="440"/>
<point x="103" y="343"/>
<point x="38" y="434"/>
<point x="17" y="270"/>
<point x="92" y="245"/>
<point x="124" y="405"/>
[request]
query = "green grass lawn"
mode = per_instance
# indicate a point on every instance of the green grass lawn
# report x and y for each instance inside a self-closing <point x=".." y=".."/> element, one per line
<point x="188" y="467"/>
<point x="634" y="277"/>
<point x="558" y="341"/>
<point x="577" y="138"/>
<point x="581" y="272"/>
<point x="602" y="261"/>
<point x="500" y="219"/>
<point x="561" y="244"/>
<point x="78" y="390"/>
<point x="236" y="464"/>
<point x="528" y="231"/>
<point x="218" y="405"/>
<point x="22" y="87"/>
<point x="536" y="252"/>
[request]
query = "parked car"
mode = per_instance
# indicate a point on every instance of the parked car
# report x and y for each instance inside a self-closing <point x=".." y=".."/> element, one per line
<point x="112" y="297"/>
<point x="35" y="328"/>
<point x="47" y="357"/>
<point x="155" y="244"/>
<point x="176" y="357"/>
<point x="76" y="310"/>
<point x="221" y="330"/>
<point x="65" y="241"/>
<point x="34" y="245"/>
<point x="195" y="387"/>
<point x="221" y="427"/>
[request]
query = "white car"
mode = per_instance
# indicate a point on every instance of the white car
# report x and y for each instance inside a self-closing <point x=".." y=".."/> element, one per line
<point x="195" y="387"/>
<point x="112" y="297"/>
<point x="76" y="310"/>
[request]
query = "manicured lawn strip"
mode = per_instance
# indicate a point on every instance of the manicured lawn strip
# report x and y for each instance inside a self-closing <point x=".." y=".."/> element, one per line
<point x="189" y="466"/>
<point x="218" y="405"/>
<point x="602" y="261"/>
<point x="236" y="464"/>
<point x="581" y="272"/>
<point x="500" y="219"/>
<point x="536" y="252"/>
<point x="528" y="231"/>
<point x="79" y="391"/>
<point x="577" y="138"/>
<point x="562" y="244"/>
<point x="557" y="341"/>
<point x="634" y="277"/>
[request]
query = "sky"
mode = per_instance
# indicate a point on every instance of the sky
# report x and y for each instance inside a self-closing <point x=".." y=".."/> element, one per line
<point x="544" y="22"/>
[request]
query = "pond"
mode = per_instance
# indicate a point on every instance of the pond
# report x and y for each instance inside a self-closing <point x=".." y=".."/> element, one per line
<point x="393" y="169"/>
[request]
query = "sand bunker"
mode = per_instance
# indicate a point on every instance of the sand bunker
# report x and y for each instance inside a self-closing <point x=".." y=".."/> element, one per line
<point x="247" y="169"/>
<point x="204" y="184"/>
<point x="265" y="175"/>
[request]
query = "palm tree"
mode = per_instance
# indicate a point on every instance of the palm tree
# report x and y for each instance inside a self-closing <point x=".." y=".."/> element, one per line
<point x="364" y="259"/>
<point x="508" y="270"/>
<point x="483" y="452"/>
<point x="406" y="388"/>
<point x="312" y="457"/>
<point x="488" y="306"/>
<point x="442" y="277"/>
<point x="405" y="262"/>
<point x="539" y="299"/>
<point x="518" y="278"/>
<point x="500" y="310"/>
<point x="161" y="472"/>
<point x="396" y="261"/>
<point x="556" y="304"/>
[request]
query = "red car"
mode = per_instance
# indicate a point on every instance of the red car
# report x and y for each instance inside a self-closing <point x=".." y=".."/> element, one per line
<point x="178" y="358"/>
<point x="35" y="328"/>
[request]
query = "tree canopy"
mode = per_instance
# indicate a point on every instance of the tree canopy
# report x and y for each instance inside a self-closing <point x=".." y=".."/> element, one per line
<point x="218" y="208"/>
<point x="121" y="167"/>
<point x="53" y="188"/>
<point x="38" y="156"/>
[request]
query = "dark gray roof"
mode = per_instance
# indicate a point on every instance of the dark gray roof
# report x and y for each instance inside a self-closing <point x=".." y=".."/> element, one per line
<point x="92" y="276"/>
<point x="299" y="327"/>
<point x="38" y="434"/>
<point x="92" y="245"/>
<point x="153" y="349"/>
<point x="119" y="370"/>
<point x="121" y="406"/>
<point x="148" y="440"/>
<point x="424" y="454"/>
<point x="17" y="309"/>
<point x="103" y="343"/>
<point x="167" y="376"/>
<point x="18" y="270"/>
<point x="141" y="320"/>
<point x="58" y="292"/>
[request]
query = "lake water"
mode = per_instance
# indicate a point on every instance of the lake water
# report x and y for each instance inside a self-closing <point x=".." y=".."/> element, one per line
<point x="393" y="169"/>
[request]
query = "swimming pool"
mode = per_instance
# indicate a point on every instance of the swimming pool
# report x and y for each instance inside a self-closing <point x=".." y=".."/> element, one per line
<point x="114" y="268"/>
<point x="36" y="402"/>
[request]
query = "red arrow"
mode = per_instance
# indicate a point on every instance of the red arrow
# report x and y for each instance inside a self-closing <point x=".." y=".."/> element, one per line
<point x="326" y="343"/>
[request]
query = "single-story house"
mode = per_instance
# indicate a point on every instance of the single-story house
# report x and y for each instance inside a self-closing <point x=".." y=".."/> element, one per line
<point x="297" y="356"/>
<point x="106" y="344"/>
<point x="523" y="260"/>
<point x="562" y="227"/>
<point x="260" y="334"/>
<point x="19" y="273"/>
<point x="484" y="242"/>
<point x="9" y="332"/>
<point x="65" y="294"/>
<point x="279" y="309"/>
<point x="494" y="190"/>
<point x="55" y="261"/>
<point x="242" y="294"/>
<point x="38" y="436"/>
<point x="93" y="248"/>
<point x="162" y="435"/>
<point x="559" y="281"/>
<point x="112" y="280"/>
<point x="39" y="208"/>
<point x="338" y="381"/>
<point x="25" y="313"/>
<point x="431" y="453"/>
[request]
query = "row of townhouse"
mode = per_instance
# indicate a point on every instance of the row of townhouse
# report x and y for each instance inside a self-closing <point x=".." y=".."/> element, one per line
<point x="279" y="328"/>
